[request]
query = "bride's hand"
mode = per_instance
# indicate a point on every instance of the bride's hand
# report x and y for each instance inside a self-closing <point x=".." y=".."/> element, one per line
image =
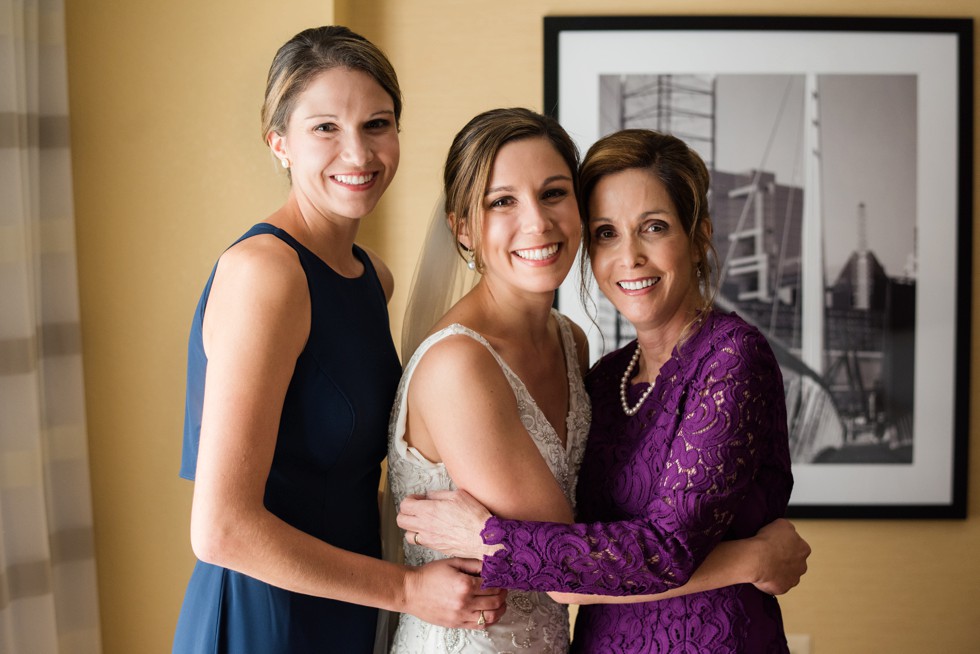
<point x="449" y="522"/>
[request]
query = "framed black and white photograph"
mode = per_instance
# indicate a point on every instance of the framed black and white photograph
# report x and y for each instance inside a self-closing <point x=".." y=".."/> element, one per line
<point x="840" y="154"/>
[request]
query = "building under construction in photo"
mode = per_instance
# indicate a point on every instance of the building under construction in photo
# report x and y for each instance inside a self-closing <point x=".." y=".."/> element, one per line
<point x="848" y="371"/>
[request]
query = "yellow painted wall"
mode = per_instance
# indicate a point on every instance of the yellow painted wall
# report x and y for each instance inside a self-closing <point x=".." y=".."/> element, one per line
<point x="169" y="168"/>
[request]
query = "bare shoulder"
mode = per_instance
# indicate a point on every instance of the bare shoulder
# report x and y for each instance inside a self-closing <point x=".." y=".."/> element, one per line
<point x="470" y="420"/>
<point x="462" y="368"/>
<point x="259" y="292"/>
<point x="456" y="359"/>
<point x="384" y="273"/>
<point x="457" y="395"/>
<point x="262" y="259"/>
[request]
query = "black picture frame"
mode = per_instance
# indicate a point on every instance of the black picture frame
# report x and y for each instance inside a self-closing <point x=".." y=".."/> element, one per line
<point x="893" y="442"/>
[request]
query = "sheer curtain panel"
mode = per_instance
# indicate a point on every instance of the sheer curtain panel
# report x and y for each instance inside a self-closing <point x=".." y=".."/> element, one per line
<point x="48" y="599"/>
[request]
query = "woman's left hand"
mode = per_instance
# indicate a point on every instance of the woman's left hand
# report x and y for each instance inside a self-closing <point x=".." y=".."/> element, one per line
<point x="449" y="522"/>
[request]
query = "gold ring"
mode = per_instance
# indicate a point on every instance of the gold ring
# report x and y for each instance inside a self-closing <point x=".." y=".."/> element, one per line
<point x="483" y="619"/>
<point x="416" y="539"/>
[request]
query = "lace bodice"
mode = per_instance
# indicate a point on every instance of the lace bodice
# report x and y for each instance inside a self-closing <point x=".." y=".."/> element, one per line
<point x="705" y="459"/>
<point x="533" y="622"/>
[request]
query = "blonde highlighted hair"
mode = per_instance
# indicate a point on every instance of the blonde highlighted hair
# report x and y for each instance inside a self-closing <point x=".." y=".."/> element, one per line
<point x="312" y="52"/>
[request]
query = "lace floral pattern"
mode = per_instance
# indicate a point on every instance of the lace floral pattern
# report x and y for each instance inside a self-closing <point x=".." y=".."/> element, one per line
<point x="533" y="623"/>
<point x="705" y="459"/>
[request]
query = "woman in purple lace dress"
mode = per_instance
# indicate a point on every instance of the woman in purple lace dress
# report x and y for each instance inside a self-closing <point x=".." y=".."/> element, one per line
<point x="688" y="445"/>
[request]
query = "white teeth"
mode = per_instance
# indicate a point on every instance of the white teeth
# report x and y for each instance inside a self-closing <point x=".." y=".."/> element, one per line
<point x="354" y="180"/>
<point x="537" y="254"/>
<point x="639" y="285"/>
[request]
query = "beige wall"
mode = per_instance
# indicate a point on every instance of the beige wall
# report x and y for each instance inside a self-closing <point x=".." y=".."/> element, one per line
<point x="169" y="168"/>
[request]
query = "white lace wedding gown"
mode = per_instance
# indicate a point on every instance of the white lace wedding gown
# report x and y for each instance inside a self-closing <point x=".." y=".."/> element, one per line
<point x="533" y="622"/>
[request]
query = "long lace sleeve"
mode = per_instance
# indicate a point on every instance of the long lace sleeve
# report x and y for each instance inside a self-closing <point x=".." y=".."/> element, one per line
<point x="681" y="475"/>
<point x="622" y="558"/>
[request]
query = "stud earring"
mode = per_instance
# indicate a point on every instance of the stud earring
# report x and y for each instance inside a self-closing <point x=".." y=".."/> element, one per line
<point x="285" y="162"/>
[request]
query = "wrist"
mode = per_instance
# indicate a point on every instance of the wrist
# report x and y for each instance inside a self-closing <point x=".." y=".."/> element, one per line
<point x="738" y="561"/>
<point x="756" y="560"/>
<point x="490" y="536"/>
<point x="490" y="550"/>
<point x="408" y="588"/>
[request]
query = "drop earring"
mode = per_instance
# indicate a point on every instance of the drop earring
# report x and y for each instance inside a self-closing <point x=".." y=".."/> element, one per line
<point x="468" y="256"/>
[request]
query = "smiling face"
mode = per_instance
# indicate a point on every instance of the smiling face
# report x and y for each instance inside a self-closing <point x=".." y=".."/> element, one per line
<point x="641" y="255"/>
<point x="341" y="144"/>
<point x="530" y="220"/>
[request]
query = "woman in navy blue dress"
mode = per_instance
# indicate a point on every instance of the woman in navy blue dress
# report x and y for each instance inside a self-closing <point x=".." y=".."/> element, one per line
<point x="291" y="376"/>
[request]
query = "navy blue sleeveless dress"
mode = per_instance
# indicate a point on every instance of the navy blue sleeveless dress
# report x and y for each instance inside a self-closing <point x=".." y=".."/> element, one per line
<point x="324" y="475"/>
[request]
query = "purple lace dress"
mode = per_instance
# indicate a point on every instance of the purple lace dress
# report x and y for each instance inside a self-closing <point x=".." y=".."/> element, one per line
<point x="705" y="459"/>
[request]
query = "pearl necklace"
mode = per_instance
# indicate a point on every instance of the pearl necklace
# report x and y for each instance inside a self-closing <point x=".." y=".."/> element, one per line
<point x="624" y="382"/>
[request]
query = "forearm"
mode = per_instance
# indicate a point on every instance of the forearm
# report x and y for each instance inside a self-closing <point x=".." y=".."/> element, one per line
<point x="730" y="563"/>
<point x="446" y="593"/>
<point x="616" y="558"/>
<point x="260" y="545"/>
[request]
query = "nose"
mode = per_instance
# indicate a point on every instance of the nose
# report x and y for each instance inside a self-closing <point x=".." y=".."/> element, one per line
<point x="357" y="149"/>
<point x="632" y="252"/>
<point x="535" y="220"/>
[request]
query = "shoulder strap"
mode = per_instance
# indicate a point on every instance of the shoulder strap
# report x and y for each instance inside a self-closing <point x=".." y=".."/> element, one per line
<point x="568" y="344"/>
<point x="399" y="418"/>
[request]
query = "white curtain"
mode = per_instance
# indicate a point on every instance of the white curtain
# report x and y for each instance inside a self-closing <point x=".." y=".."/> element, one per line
<point x="48" y="599"/>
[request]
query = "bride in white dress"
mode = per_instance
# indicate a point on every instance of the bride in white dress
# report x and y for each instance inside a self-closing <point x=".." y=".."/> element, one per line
<point x="492" y="401"/>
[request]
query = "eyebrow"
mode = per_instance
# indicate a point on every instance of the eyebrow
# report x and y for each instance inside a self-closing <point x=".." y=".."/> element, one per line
<point x="553" y="178"/>
<point x="645" y="214"/>
<point x="382" y="112"/>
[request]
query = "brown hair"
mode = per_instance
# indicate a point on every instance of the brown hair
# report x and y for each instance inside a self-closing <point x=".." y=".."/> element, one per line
<point x="469" y="163"/>
<point x="682" y="172"/>
<point x="308" y="54"/>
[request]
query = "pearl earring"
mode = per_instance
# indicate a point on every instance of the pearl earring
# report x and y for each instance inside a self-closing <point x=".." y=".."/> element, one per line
<point x="469" y="256"/>
<point x="285" y="162"/>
